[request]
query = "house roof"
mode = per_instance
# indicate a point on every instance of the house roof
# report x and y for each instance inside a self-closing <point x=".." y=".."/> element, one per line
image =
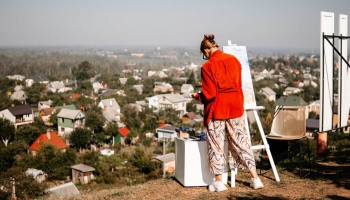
<point x="123" y="80"/>
<point x="166" y="158"/>
<point x="18" y="88"/>
<point x="167" y="128"/>
<point x="48" y="103"/>
<point x="64" y="190"/>
<point x="57" y="85"/>
<point x="190" y="115"/>
<point x="47" y="111"/>
<point x="54" y="140"/>
<point x="19" y="95"/>
<point x="34" y="172"/>
<point x="124" y="131"/>
<point x="75" y="96"/>
<point x="21" y="110"/>
<point x="71" y="106"/>
<point x="268" y="91"/>
<point x="108" y="92"/>
<point x="83" y="168"/>
<point x="39" y="78"/>
<point x="69" y="113"/>
<point x="290" y="101"/>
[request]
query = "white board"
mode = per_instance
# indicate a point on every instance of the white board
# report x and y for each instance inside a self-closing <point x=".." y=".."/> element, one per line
<point x="326" y="69"/>
<point x="240" y="52"/>
<point x="344" y="75"/>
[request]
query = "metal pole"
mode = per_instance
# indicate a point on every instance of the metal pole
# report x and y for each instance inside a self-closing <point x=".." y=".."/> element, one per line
<point x="13" y="195"/>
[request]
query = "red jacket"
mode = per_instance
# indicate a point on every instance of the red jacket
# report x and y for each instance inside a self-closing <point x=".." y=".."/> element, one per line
<point x="222" y="93"/>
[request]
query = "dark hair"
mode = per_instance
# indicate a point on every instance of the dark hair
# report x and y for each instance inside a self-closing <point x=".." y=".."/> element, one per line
<point x="208" y="42"/>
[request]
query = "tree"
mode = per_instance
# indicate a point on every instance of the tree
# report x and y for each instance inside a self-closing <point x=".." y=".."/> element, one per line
<point x="142" y="161"/>
<point x="85" y="71"/>
<point x="27" y="133"/>
<point x="111" y="130"/>
<point x="131" y="118"/>
<point x="191" y="80"/>
<point x="94" y="121"/>
<point x="53" y="117"/>
<point x="80" y="138"/>
<point x="169" y="115"/>
<point x="191" y="106"/>
<point x="7" y="130"/>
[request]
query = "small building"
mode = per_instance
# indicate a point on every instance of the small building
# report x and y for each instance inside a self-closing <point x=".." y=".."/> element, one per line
<point x="168" y="161"/>
<point x="82" y="174"/>
<point x="166" y="132"/>
<point x="38" y="175"/>
<point x="121" y="137"/>
<point x="269" y="93"/>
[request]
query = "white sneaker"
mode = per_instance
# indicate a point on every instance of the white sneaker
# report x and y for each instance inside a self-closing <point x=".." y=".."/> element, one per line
<point x="256" y="183"/>
<point x="217" y="186"/>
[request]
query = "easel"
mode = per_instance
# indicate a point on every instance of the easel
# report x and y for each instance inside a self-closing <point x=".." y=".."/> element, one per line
<point x="242" y="57"/>
<point x="265" y="145"/>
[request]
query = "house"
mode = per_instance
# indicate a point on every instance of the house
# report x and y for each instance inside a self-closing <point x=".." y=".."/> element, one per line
<point x="82" y="174"/>
<point x="111" y="109"/>
<point x="75" y="96"/>
<point x="50" y="137"/>
<point x="164" y="87"/>
<point x="123" y="80"/>
<point x="69" y="119"/>
<point x="109" y="92"/>
<point x="191" y="116"/>
<point x="139" y="88"/>
<point x="69" y="84"/>
<point x="16" y="77"/>
<point x="44" y="104"/>
<point x="138" y="105"/>
<point x="97" y="86"/>
<point x="38" y="175"/>
<point x="121" y="137"/>
<point x="19" y="96"/>
<point x="187" y="88"/>
<point x="269" y="93"/>
<point x="37" y="79"/>
<point x="168" y="161"/>
<point x="56" y="86"/>
<point x="160" y="74"/>
<point x="314" y="107"/>
<point x="45" y="114"/>
<point x="65" y="190"/>
<point x="18" y="115"/>
<point x="291" y="90"/>
<point x="175" y="101"/>
<point x="168" y="132"/>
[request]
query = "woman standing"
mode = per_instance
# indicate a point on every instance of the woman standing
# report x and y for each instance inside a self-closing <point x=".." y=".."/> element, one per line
<point x="223" y="101"/>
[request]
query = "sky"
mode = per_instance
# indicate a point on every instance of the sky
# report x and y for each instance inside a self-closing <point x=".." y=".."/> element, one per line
<point x="251" y="23"/>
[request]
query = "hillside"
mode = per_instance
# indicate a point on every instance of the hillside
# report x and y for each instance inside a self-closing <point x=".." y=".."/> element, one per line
<point x="328" y="180"/>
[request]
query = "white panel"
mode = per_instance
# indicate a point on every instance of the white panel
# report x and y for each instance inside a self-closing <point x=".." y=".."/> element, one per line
<point x="240" y="52"/>
<point x="326" y="68"/>
<point x="344" y="75"/>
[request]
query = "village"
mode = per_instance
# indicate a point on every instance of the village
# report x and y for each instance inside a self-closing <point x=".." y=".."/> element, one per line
<point x="65" y="131"/>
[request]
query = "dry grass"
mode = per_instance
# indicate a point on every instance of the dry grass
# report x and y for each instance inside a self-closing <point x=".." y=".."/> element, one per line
<point x="333" y="184"/>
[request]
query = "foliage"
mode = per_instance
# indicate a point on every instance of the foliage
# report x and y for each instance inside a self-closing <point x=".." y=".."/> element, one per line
<point x="7" y="130"/>
<point x="28" y="187"/>
<point x="169" y="115"/>
<point x="142" y="161"/>
<point x="27" y="133"/>
<point x="94" y="121"/>
<point x="80" y="137"/>
<point x="147" y="142"/>
<point x="130" y="117"/>
<point x="6" y="158"/>
<point x="53" y="117"/>
<point x="191" y="106"/>
<point x="84" y="71"/>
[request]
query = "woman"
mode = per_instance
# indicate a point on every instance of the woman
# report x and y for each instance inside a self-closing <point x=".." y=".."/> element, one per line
<point x="223" y="101"/>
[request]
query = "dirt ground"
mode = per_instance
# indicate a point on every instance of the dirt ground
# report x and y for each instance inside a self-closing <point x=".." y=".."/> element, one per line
<point x="327" y="181"/>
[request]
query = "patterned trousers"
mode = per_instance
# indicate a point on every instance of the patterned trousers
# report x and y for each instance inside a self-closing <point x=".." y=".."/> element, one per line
<point x="240" y="154"/>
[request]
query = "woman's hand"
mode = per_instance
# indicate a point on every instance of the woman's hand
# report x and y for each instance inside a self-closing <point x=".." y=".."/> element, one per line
<point x="194" y="95"/>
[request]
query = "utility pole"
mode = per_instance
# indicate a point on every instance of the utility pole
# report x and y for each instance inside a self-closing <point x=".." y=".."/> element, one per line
<point x="13" y="195"/>
<point x="164" y="154"/>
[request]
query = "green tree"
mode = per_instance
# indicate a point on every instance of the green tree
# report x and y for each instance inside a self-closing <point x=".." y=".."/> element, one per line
<point x="27" y="133"/>
<point x="85" y="71"/>
<point x="7" y="130"/>
<point x="80" y="137"/>
<point x="191" y="80"/>
<point x="111" y="130"/>
<point x="130" y="117"/>
<point x="169" y="115"/>
<point x="191" y="106"/>
<point x="94" y="121"/>
<point x="53" y="117"/>
<point x="142" y="161"/>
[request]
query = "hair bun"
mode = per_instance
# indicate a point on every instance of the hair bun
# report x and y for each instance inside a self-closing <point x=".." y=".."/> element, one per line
<point x="209" y="37"/>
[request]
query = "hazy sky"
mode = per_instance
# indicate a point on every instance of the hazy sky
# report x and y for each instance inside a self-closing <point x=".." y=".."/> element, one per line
<point x="255" y="23"/>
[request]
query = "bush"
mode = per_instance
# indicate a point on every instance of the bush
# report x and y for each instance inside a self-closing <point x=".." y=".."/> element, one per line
<point x="147" y="142"/>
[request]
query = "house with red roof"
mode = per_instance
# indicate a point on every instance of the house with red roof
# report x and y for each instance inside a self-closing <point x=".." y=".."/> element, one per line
<point x="121" y="136"/>
<point x="50" y="137"/>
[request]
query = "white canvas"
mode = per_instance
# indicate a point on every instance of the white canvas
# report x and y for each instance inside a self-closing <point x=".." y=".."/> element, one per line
<point x="326" y="69"/>
<point x="247" y="85"/>
<point x="344" y="75"/>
